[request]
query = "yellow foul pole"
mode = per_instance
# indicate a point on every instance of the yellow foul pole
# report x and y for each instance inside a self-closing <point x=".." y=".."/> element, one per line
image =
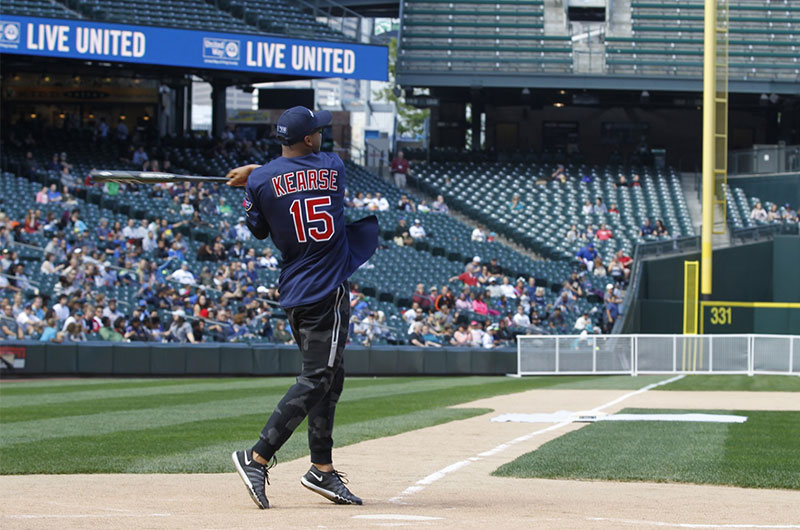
<point x="709" y="147"/>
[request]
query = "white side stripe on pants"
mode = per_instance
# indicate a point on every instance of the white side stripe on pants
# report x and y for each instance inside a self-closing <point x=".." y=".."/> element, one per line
<point x="337" y="318"/>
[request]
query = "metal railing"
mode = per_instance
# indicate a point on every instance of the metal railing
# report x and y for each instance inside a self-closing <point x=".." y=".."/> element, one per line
<point x="656" y="354"/>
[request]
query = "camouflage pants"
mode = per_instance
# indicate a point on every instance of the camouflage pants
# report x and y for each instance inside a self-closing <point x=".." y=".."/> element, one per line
<point x="320" y="330"/>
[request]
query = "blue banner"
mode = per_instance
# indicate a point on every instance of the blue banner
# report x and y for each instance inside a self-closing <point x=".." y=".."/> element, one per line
<point x="86" y="40"/>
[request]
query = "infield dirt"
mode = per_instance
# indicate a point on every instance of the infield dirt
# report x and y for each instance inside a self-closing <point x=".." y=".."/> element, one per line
<point x="467" y="497"/>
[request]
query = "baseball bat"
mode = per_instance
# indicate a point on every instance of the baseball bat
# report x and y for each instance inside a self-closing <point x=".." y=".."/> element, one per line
<point x="147" y="177"/>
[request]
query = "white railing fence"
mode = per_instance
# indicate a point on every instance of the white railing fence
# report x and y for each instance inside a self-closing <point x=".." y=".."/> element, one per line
<point x="652" y="354"/>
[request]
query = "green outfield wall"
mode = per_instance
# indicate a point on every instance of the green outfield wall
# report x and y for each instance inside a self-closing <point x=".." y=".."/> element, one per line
<point x="767" y="271"/>
<point x="128" y="359"/>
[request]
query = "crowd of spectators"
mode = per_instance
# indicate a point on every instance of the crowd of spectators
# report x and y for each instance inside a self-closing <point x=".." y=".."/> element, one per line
<point x="776" y="214"/>
<point x="169" y="302"/>
<point x="489" y="309"/>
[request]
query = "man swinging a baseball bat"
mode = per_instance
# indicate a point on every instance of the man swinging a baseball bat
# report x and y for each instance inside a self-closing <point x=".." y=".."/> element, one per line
<point x="298" y="199"/>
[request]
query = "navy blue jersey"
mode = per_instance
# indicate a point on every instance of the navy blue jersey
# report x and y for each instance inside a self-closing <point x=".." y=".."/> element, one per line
<point x="299" y="201"/>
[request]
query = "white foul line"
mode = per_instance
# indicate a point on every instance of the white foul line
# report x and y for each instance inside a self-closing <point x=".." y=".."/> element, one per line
<point x="690" y="525"/>
<point x="433" y="477"/>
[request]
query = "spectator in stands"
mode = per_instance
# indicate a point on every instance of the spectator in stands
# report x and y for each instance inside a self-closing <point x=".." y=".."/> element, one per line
<point x="610" y="315"/>
<point x="599" y="207"/>
<point x="140" y="157"/>
<point x="31" y="225"/>
<point x="461" y="337"/>
<point x="488" y="340"/>
<point x="242" y="232"/>
<point x="54" y="195"/>
<point x="494" y="289"/>
<point x="405" y="204"/>
<point x="636" y="183"/>
<point x="586" y="256"/>
<point x="444" y="299"/>
<point x="587" y="208"/>
<point x="401" y="234"/>
<point x="75" y="333"/>
<point x="508" y="290"/>
<point x="559" y="175"/>
<point x="400" y="169"/>
<point x="604" y="233"/>
<point x="515" y="205"/>
<point x="468" y="277"/>
<point x="647" y="229"/>
<point x="478" y="235"/>
<point x="415" y="336"/>
<point x="625" y="261"/>
<point x="381" y="202"/>
<point x="773" y="215"/>
<point x="556" y="320"/>
<point x="521" y="318"/>
<point x="613" y="209"/>
<point x="421" y="298"/>
<point x="68" y="180"/>
<point x="574" y="285"/>
<point x="281" y="335"/>
<point x="423" y="207"/>
<point x="41" y="196"/>
<point x="29" y="166"/>
<point x="582" y="322"/>
<point x="660" y="230"/>
<point x="49" y="331"/>
<point x="101" y="130"/>
<point x="431" y="337"/>
<point x="622" y="182"/>
<point x="111" y="311"/>
<point x="600" y="270"/>
<point x="439" y="205"/>
<point x="417" y="231"/>
<point x="359" y="201"/>
<point x="479" y="305"/>
<point x="180" y="330"/>
<point x="54" y="164"/>
<point x="136" y="332"/>
<point x="789" y="216"/>
<point x="476" y="334"/>
<point x="589" y="233"/>
<point x="572" y="233"/>
<point x="121" y="132"/>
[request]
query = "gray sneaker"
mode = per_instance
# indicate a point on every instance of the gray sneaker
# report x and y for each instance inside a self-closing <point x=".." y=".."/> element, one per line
<point x="330" y="485"/>
<point x="254" y="476"/>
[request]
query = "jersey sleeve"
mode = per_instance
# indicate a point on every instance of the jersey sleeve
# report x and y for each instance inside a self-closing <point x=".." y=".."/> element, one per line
<point x="256" y="221"/>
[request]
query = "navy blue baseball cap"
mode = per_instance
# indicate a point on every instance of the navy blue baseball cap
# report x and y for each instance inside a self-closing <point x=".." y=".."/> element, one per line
<point x="298" y="122"/>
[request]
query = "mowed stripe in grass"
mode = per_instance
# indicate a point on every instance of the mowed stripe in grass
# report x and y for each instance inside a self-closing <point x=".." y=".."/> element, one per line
<point x="241" y="393"/>
<point x="737" y="383"/>
<point x="760" y="453"/>
<point x="129" y="440"/>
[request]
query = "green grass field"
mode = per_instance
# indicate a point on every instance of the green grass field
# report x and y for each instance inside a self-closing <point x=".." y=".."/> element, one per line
<point x="192" y="425"/>
<point x="763" y="452"/>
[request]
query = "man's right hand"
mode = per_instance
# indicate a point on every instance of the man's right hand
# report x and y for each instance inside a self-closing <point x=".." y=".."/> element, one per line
<point x="238" y="176"/>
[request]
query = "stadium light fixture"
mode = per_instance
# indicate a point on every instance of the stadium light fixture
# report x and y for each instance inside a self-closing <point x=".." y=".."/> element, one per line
<point x="33" y="115"/>
<point x="558" y="105"/>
